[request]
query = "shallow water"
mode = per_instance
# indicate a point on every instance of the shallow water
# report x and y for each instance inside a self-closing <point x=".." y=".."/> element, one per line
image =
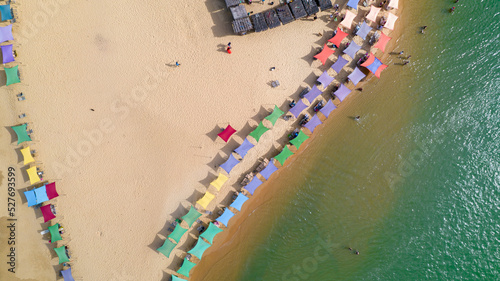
<point x="414" y="186"/>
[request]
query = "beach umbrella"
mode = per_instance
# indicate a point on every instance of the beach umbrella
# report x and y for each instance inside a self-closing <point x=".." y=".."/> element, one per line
<point x="372" y="15"/>
<point x="229" y="164"/>
<point x="217" y="183"/>
<point x="6" y="33"/>
<point x="356" y="76"/>
<point x="299" y="139"/>
<point x="166" y="248"/>
<point x="7" y="54"/>
<point x="28" y="158"/>
<point x="200" y="247"/>
<point x="364" y="30"/>
<point x="329" y="106"/>
<point x="12" y="74"/>
<point x="339" y="64"/>
<point x="30" y="197"/>
<point x="225" y="217"/>
<point x="21" y="132"/>
<point x="5" y="12"/>
<point x="353" y="4"/>
<point x="245" y="147"/>
<point x="284" y="154"/>
<point x="391" y="20"/>
<point x="66" y="274"/>
<point x="259" y="131"/>
<point x="374" y="65"/>
<point x="352" y="49"/>
<point x="382" y="42"/>
<point x="349" y="17"/>
<point x="61" y="253"/>
<point x="176" y="235"/>
<point x="186" y="267"/>
<point x="47" y="212"/>
<point x="252" y="186"/>
<point x="273" y="117"/>
<point x="227" y="133"/>
<point x="313" y="94"/>
<point x="339" y="36"/>
<point x="325" y="79"/>
<point x="51" y="190"/>
<point x="298" y="108"/>
<point x="342" y="92"/>
<point x="191" y="216"/>
<point x="393" y="4"/>
<point x="238" y="202"/>
<point x="205" y="200"/>
<point x="269" y="170"/>
<point x="311" y="125"/>
<point x="41" y="194"/>
<point x="54" y="233"/>
<point x="33" y="176"/>
<point x="324" y="54"/>
<point x="175" y="278"/>
<point x="210" y="233"/>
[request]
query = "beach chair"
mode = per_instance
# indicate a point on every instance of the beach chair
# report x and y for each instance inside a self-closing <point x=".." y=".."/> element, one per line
<point x="275" y="83"/>
<point x="22" y="115"/>
<point x="21" y="98"/>
<point x="20" y="94"/>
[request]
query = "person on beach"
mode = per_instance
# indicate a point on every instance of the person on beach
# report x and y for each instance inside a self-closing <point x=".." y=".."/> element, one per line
<point x="228" y="50"/>
<point x="408" y="57"/>
<point x="406" y="62"/>
<point x="359" y="89"/>
<point x="452" y="9"/>
<point x="357" y="118"/>
<point x="177" y="64"/>
<point x="402" y="52"/>
<point x="356" y="252"/>
<point x="315" y="17"/>
<point x="423" y="28"/>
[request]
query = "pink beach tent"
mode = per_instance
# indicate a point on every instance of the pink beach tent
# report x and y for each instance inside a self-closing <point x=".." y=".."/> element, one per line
<point x="382" y="42"/>
<point x="324" y="54"/>
<point x="349" y="17"/>
<point x="393" y="4"/>
<point x="391" y="20"/>
<point x="227" y="133"/>
<point x="372" y="15"/>
<point x="339" y="36"/>
<point x="47" y="213"/>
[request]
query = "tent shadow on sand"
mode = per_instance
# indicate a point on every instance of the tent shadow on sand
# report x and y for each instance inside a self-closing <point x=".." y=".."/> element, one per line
<point x="261" y="114"/>
<point x="231" y="145"/>
<point x="243" y="132"/>
<point x="213" y="134"/>
<point x="216" y="161"/>
<point x="309" y="58"/>
<point x="3" y="78"/>
<point x="13" y="135"/>
<point x="221" y="18"/>
<point x="208" y="179"/>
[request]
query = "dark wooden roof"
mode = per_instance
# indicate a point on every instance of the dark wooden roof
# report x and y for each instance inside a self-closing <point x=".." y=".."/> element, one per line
<point x="243" y="25"/>
<point x="297" y="9"/>
<point x="325" y="4"/>
<point x="230" y="3"/>
<point x="284" y="14"/>
<point x="310" y="6"/>
<point x="238" y="12"/>
<point x="259" y="22"/>
<point x="272" y="19"/>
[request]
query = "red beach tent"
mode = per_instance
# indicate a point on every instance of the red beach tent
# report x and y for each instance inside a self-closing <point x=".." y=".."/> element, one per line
<point x="227" y="133"/>
<point x="374" y="65"/>
<point x="47" y="213"/>
<point x="382" y="42"/>
<point x="51" y="190"/>
<point x="339" y="36"/>
<point x="324" y="54"/>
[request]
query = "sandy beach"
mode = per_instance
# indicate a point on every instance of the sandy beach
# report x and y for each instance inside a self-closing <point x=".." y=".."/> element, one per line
<point x="129" y="137"/>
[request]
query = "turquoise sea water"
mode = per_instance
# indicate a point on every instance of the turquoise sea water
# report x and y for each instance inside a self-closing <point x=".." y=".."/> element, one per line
<point x="419" y="199"/>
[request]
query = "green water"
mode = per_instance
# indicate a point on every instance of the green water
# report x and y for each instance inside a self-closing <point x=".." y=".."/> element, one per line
<point x="418" y="197"/>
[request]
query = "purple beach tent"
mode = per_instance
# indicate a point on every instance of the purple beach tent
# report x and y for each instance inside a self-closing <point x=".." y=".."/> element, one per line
<point x="6" y="33"/>
<point x="352" y="49"/>
<point x="328" y="108"/>
<point x="313" y="94"/>
<point x="342" y="92"/>
<point x="298" y="108"/>
<point x="313" y="123"/>
<point x="269" y="170"/>
<point x="66" y="274"/>
<point x="230" y="163"/>
<point x="243" y="149"/>
<point x="339" y="64"/>
<point x="325" y="79"/>
<point x="7" y="54"/>
<point x="364" y="30"/>
<point x="356" y="76"/>
<point x="353" y="4"/>
<point x="252" y="186"/>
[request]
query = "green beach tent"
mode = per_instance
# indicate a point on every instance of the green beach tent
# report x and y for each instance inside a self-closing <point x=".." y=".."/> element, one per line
<point x="186" y="267"/>
<point x="12" y="75"/>
<point x="177" y="233"/>
<point x="191" y="216"/>
<point x="166" y="248"/>
<point x="258" y="132"/>
<point x="175" y="278"/>
<point x="284" y="154"/>
<point x="54" y="233"/>
<point x="273" y="117"/>
<point x="61" y="253"/>
<point x="199" y="249"/>
<point x="21" y="132"/>
<point x="210" y="233"/>
<point x="299" y="139"/>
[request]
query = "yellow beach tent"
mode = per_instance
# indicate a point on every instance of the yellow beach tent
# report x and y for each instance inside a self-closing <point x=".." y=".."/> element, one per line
<point x="33" y="175"/>
<point x="219" y="181"/>
<point x="205" y="200"/>
<point x="27" y="155"/>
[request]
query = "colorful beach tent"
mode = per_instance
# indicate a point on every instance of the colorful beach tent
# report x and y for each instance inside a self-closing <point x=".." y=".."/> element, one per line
<point x="28" y="158"/>
<point x="41" y="194"/>
<point x="230" y="163"/>
<point x="372" y="15"/>
<point x="5" y="12"/>
<point x="206" y="199"/>
<point x="219" y="182"/>
<point x="238" y="202"/>
<point x="12" y="75"/>
<point x="225" y="217"/>
<point x="342" y="92"/>
<point x="54" y="233"/>
<point x="298" y="108"/>
<point x="313" y="123"/>
<point x="33" y="175"/>
<point x="7" y="54"/>
<point x="227" y="133"/>
<point x="22" y="134"/>
<point x="284" y="154"/>
<point x="175" y="278"/>
<point x="259" y="131"/>
<point x="252" y="186"/>
<point x="269" y="170"/>
<point x="6" y="33"/>
<point x="339" y="64"/>
<point x="339" y="36"/>
<point x="364" y="30"/>
<point x="349" y="17"/>
<point x="61" y="253"/>
<point x="51" y="190"/>
<point x="382" y="42"/>
<point x="328" y="108"/>
<point x="200" y="247"/>
<point x="273" y="117"/>
<point x="352" y="49"/>
<point x="66" y="274"/>
<point x="393" y="4"/>
<point x="191" y="216"/>
<point x="30" y="197"/>
<point x="210" y="233"/>
<point x="243" y="149"/>
<point x="186" y="267"/>
<point x="325" y="79"/>
<point x="324" y="54"/>
<point x="353" y="4"/>
<point x="47" y="212"/>
<point x="356" y="76"/>
<point x="177" y="233"/>
<point x="312" y="94"/>
<point x="374" y="65"/>
<point x="299" y="139"/>
<point x="391" y="20"/>
<point x="166" y="248"/>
